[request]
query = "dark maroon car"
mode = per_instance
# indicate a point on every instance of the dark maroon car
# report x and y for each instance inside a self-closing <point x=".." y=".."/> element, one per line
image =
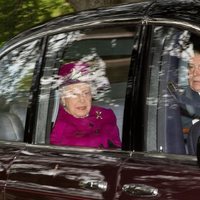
<point x="145" y="48"/>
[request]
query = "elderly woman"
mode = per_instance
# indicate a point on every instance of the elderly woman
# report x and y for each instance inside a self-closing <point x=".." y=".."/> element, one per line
<point x="79" y="123"/>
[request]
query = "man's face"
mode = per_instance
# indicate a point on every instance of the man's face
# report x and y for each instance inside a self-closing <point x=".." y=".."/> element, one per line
<point x="77" y="99"/>
<point x="194" y="73"/>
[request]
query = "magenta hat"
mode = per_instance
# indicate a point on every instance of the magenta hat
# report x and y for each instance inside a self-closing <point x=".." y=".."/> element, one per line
<point x="73" y="72"/>
<point x="94" y="75"/>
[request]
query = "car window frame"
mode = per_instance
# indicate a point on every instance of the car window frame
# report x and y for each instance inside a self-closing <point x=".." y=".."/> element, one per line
<point x="33" y="106"/>
<point x="133" y="22"/>
<point x="33" y="86"/>
<point x="191" y="27"/>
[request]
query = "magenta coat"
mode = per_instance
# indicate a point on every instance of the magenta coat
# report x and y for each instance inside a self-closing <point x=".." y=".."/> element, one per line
<point x="98" y="130"/>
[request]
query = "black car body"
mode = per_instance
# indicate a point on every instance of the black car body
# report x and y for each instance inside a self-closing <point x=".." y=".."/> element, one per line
<point x="144" y="47"/>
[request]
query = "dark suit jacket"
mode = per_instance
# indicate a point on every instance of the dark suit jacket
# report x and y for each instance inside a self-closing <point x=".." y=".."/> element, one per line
<point x="190" y="111"/>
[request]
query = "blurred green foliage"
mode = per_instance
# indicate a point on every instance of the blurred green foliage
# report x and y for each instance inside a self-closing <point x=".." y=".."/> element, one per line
<point x="19" y="15"/>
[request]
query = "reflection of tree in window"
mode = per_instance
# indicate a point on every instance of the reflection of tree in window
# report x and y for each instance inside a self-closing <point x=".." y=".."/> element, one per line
<point x="16" y="70"/>
<point x="112" y="44"/>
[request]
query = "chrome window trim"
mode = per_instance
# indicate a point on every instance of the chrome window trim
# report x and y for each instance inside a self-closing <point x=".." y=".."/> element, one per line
<point x="177" y="23"/>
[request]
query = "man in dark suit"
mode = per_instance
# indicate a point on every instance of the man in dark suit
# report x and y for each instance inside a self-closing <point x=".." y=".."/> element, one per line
<point x="191" y="112"/>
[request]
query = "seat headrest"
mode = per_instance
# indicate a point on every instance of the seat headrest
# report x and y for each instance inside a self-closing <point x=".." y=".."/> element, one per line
<point x="11" y="128"/>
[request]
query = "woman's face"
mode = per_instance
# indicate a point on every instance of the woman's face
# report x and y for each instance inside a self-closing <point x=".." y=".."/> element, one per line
<point x="77" y="99"/>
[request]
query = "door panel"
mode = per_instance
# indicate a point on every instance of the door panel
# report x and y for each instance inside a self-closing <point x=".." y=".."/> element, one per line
<point x="144" y="176"/>
<point x="16" y="75"/>
<point x="106" y="49"/>
<point x="171" y="102"/>
<point x="7" y="155"/>
<point x="46" y="174"/>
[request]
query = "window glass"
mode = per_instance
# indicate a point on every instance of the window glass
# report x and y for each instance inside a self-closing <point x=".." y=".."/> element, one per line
<point x="16" y="73"/>
<point x="173" y="93"/>
<point x="104" y="54"/>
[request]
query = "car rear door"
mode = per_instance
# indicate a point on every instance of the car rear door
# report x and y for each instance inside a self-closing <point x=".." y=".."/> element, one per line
<point x="7" y="155"/>
<point x="46" y="173"/>
<point x="159" y="176"/>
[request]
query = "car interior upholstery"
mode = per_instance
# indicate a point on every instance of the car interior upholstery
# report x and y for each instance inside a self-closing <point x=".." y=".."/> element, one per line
<point x="11" y="127"/>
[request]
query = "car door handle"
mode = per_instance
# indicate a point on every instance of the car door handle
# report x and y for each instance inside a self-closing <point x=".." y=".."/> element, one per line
<point x="93" y="185"/>
<point x="140" y="190"/>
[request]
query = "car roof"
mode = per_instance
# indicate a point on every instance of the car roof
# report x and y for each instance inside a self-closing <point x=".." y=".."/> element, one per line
<point x="182" y="10"/>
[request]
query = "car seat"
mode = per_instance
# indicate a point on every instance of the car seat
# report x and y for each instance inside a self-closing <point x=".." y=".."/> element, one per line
<point x="11" y="127"/>
<point x="169" y="111"/>
<point x="19" y="109"/>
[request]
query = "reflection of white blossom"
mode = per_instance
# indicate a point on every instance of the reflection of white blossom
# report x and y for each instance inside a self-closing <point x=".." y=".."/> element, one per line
<point x="18" y="66"/>
<point x="95" y="75"/>
<point x="59" y="41"/>
<point x="162" y="101"/>
<point x="151" y="101"/>
<point x="181" y="47"/>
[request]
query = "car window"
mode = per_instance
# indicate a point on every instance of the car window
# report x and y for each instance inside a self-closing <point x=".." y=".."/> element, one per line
<point x="108" y="50"/>
<point x="16" y="73"/>
<point x="171" y="107"/>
